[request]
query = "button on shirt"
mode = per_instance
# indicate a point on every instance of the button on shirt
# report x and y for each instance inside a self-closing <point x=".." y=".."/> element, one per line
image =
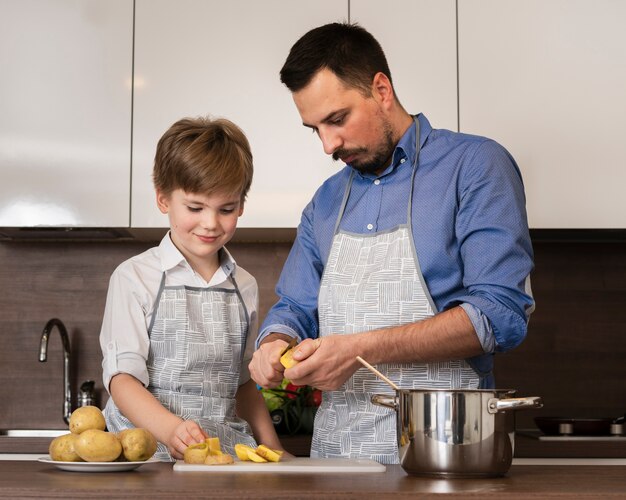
<point x="132" y="298"/>
<point x="469" y="227"/>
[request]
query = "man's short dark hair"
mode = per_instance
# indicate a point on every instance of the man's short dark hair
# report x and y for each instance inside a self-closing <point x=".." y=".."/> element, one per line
<point x="348" y="50"/>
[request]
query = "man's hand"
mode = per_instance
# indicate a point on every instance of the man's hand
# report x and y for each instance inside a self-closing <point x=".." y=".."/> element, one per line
<point x="265" y="368"/>
<point x="324" y="363"/>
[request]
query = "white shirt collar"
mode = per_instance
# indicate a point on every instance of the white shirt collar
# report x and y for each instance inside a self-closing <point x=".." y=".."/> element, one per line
<point x="172" y="257"/>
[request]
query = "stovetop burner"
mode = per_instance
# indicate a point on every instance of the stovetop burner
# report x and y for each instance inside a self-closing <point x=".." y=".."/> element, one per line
<point x="581" y="427"/>
<point x="543" y="437"/>
<point x="536" y="434"/>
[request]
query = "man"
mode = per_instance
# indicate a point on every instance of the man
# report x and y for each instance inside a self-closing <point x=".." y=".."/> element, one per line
<point x="416" y="256"/>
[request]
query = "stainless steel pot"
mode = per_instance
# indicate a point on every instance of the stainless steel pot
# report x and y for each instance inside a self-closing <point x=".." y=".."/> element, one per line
<point x="455" y="433"/>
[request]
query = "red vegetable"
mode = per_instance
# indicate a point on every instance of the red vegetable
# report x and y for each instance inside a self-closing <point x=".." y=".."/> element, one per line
<point x="292" y="388"/>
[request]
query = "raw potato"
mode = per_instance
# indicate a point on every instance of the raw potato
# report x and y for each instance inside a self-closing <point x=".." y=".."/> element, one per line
<point x="261" y="454"/>
<point x="214" y="444"/>
<point x="85" y="418"/>
<point x="138" y="444"/>
<point x="252" y="455"/>
<point x="196" y="453"/>
<point x="94" y="445"/>
<point x="242" y="450"/>
<point x="268" y="454"/>
<point x="287" y="359"/>
<point x="209" y="453"/>
<point x="62" y="449"/>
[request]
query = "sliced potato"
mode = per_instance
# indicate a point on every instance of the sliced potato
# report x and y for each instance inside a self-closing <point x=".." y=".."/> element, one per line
<point x="255" y="457"/>
<point x="268" y="454"/>
<point x="261" y="454"/>
<point x="241" y="450"/>
<point x="213" y="443"/>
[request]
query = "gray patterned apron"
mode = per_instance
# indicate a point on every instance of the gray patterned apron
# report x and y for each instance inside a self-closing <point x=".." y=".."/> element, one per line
<point x="370" y="282"/>
<point x="197" y="342"/>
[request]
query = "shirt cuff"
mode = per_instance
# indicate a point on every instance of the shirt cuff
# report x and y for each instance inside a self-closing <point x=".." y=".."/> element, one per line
<point x="277" y="328"/>
<point x="482" y="327"/>
<point x="130" y="363"/>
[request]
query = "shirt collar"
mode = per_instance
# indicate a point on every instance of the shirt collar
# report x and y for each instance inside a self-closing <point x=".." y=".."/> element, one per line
<point x="171" y="257"/>
<point x="405" y="149"/>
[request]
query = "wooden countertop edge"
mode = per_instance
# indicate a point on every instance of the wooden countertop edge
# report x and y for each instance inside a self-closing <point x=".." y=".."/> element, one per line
<point x="34" y="479"/>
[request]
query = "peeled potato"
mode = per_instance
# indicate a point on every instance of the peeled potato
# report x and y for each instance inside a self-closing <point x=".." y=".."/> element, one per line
<point x="138" y="444"/>
<point x="255" y="457"/>
<point x="85" y="418"/>
<point x="268" y="454"/>
<point x="62" y="449"/>
<point x="214" y="445"/>
<point x="196" y="453"/>
<point x="287" y="359"/>
<point x="261" y="454"/>
<point x="241" y="450"/>
<point x="94" y="445"/>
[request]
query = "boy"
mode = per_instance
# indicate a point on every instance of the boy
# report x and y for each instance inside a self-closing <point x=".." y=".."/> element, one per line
<point x="181" y="318"/>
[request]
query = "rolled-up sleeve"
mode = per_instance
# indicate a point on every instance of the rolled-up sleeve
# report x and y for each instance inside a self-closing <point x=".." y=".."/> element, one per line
<point x="295" y="313"/>
<point x="123" y="338"/>
<point x="495" y="246"/>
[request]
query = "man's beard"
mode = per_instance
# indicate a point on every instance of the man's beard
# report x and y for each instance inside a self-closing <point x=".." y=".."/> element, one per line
<point x="380" y="159"/>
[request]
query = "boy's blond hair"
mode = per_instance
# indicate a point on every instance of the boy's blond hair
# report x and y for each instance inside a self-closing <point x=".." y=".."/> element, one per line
<point x="203" y="156"/>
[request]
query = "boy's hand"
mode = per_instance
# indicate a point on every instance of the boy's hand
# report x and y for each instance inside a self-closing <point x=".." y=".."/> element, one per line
<point x="265" y="367"/>
<point x="184" y="434"/>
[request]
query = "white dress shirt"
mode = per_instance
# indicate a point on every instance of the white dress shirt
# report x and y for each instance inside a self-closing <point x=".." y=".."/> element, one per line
<point x="131" y="302"/>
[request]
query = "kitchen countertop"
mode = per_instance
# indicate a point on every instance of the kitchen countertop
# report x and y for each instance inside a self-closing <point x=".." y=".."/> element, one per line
<point x="27" y="479"/>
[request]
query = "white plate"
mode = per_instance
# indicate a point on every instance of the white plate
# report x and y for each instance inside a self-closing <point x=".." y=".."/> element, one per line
<point x="93" y="466"/>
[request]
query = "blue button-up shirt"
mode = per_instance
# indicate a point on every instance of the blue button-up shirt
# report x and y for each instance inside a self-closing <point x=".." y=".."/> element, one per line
<point x="469" y="226"/>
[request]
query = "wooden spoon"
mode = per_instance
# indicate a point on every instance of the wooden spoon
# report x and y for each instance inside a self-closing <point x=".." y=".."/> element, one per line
<point x="376" y="372"/>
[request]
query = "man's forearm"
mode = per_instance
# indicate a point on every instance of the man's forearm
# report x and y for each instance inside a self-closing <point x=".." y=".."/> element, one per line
<point x="447" y="335"/>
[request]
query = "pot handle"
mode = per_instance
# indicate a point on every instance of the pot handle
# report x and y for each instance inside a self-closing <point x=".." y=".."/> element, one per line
<point x="494" y="405"/>
<point x="385" y="400"/>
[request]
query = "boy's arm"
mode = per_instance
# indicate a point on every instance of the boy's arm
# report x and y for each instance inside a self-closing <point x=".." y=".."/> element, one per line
<point x="145" y="411"/>
<point x="251" y="407"/>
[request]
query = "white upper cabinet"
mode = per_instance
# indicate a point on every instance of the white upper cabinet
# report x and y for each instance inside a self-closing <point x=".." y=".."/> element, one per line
<point x="547" y="79"/>
<point x="65" y="101"/>
<point x="218" y="58"/>
<point x="419" y="40"/>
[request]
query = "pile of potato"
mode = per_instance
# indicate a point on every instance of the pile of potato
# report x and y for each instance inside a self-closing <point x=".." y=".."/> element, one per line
<point x="89" y="442"/>
<point x="209" y="453"/>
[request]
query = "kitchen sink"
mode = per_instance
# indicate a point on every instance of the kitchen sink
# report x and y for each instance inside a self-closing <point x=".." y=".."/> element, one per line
<point x="33" y="433"/>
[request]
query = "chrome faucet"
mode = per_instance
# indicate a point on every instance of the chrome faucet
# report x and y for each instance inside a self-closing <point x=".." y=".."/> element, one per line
<point x="43" y="356"/>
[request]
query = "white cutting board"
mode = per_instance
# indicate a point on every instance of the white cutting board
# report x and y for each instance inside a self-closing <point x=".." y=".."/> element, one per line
<point x="295" y="464"/>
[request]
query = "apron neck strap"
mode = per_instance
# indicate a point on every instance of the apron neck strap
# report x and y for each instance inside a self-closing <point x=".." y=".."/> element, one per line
<point x="409" y="214"/>
<point x="344" y="201"/>
<point x="346" y="193"/>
